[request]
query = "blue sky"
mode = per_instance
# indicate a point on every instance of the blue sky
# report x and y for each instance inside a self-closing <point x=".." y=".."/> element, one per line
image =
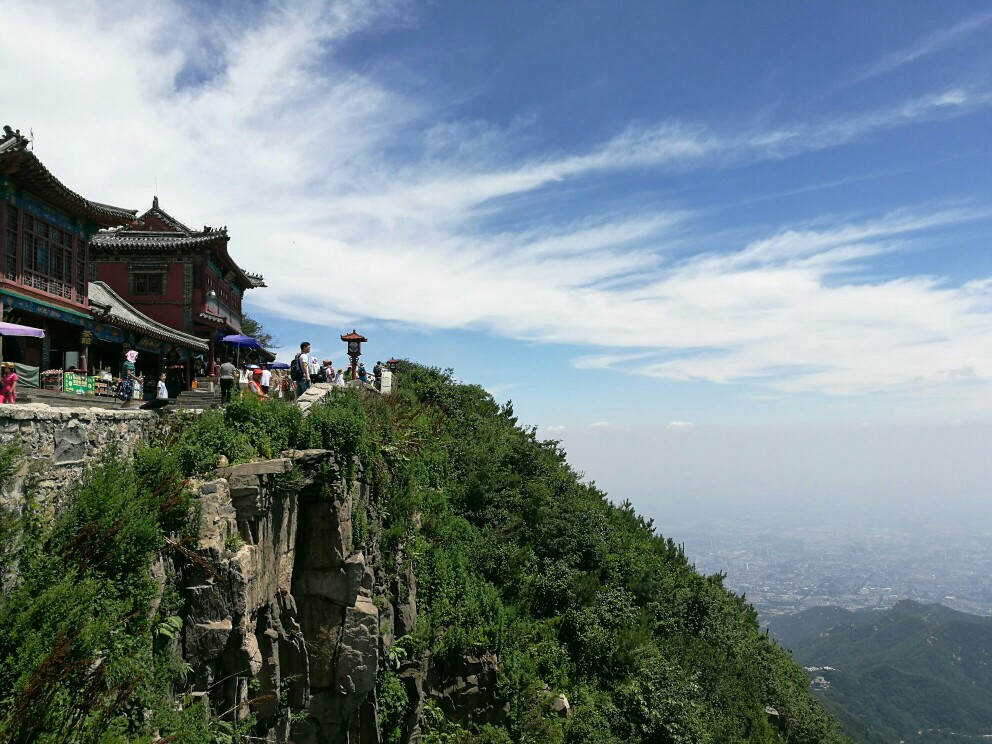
<point x="634" y="219"/>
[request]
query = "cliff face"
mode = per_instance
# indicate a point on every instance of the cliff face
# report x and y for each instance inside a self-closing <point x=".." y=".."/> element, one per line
<point x="284" y="604"/>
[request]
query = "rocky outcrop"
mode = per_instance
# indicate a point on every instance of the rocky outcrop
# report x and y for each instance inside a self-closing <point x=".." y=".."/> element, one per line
<point x="465" y="689"/>
<point x="280" y="610"/>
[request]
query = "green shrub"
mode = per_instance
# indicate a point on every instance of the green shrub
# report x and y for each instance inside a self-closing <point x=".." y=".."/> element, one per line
<point x="393" y="707"/>
<point x="82" y="594"/>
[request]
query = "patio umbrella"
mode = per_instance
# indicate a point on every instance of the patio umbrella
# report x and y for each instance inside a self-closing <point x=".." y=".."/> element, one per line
<point x="13" y="329"/>
<point x="278" y="365"/>
<point x="241" y="342"/>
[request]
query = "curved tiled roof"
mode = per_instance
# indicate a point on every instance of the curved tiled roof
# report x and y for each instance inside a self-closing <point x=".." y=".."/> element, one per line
<point x="157" y="230"/>
<point x="139" y="240"/>
<point x="123" y="315"/>
<point x="16" y="159"/>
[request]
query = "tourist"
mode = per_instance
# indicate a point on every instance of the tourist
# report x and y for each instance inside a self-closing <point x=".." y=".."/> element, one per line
<point x="314" y="370"/>
<point x="226" y="374"/>
<point x="347" y="375"/>
<point x="8" y="389"/>
<point x="326" y="373"/>
<point x="377" y="373"/>
<point x="265" y="379"/>
<point x="162" y="391"/>
<point x="129" y="378"/>
<point x="254" y="386"/>
<point x="362" y="374"/>
<point x="339" y="378"/>
<point x="299" y="369"/>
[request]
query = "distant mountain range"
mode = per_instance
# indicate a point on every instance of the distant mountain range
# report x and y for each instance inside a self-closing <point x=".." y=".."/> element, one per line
<point x="912" y="673"/>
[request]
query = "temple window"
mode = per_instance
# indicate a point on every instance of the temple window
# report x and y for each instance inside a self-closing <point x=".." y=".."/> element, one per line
<point x="10" y="245"/>
<point x="48" y="258"/>
<point x="148" y="283"/>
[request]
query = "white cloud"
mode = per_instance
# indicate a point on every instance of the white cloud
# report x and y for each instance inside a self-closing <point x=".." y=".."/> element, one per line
<point x="356" y="201"/>
<point x="554" y="428"/>
<point x="679" y="424"/>
<point x="601" y="424"/>
<point x="929" y="44"/>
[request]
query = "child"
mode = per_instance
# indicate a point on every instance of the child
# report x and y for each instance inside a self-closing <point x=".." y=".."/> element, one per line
<point x="8" y="389"/>
<point x="162" y="392"/>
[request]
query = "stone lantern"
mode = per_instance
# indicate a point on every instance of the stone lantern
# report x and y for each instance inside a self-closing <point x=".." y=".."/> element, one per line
<point x="354" y="341"/>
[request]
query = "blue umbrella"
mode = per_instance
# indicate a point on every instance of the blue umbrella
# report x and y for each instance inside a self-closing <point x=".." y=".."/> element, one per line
<point x="242" y="342"/>
<point x="278" y="365"/>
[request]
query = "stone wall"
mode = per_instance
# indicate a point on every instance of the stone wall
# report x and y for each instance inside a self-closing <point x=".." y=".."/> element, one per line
<point x="59" y="443"/>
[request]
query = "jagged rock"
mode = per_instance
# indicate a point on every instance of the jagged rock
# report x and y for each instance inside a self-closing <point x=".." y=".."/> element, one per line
<point x="340" y="586"/>
<point x="242" y="657"/>
<point x="561" y="706"/>
<point x="465" y="689"/>
<point x="325" y="537"/>
<point x="358" y="652"/>
<point x="218" y="519"/>
<point x="405" y="618"/>
<point x="206" y="641"/>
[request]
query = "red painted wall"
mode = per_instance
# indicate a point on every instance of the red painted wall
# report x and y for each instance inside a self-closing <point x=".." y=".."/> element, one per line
<point x="166" y="309"/>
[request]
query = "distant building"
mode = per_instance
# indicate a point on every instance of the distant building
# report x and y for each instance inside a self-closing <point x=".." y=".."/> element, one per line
<point x="180" y="277"/>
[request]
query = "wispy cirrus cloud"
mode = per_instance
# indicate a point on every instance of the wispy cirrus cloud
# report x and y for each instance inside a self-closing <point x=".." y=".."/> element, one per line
<point x="930" y="44"/>
<point x="318" y="169"/>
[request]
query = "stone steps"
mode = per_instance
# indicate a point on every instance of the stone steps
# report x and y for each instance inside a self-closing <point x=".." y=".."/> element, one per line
<point x="198" y="399"/>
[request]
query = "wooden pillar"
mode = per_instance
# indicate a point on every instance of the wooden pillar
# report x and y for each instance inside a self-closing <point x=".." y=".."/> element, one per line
<point x="46" y="347"/>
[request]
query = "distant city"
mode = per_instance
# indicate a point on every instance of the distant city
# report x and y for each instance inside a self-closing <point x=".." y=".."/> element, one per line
<point x="786" y="570"/>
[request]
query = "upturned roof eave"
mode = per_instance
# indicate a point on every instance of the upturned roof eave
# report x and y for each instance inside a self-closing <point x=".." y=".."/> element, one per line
<point x="24" y="166"/>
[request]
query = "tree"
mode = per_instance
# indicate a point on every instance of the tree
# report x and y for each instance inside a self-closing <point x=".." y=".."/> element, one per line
<point x="251" y="327"/>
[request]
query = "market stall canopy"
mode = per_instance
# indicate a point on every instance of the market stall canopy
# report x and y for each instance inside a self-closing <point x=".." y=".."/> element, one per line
<point x="242" y="342"/>
<point x="13" y="329"/>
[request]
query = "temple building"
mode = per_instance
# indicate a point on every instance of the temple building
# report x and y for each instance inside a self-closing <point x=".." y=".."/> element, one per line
<point x="183" y="278"/>
<point x="47" y="233"/>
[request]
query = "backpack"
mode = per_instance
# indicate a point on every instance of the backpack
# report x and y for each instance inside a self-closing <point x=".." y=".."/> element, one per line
<point x="295" y="371"/>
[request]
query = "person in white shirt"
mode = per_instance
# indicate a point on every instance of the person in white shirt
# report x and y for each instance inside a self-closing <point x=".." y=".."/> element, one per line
<point x="303" y="361"/>
<point x="162" y="392"/>
<point x="339" y="377"/>
<point x="266" y="378"/>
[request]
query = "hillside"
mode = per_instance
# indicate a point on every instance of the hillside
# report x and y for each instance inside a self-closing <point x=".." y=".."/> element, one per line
<point x="914" y="672"/>
<point x="387" y="568"/>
